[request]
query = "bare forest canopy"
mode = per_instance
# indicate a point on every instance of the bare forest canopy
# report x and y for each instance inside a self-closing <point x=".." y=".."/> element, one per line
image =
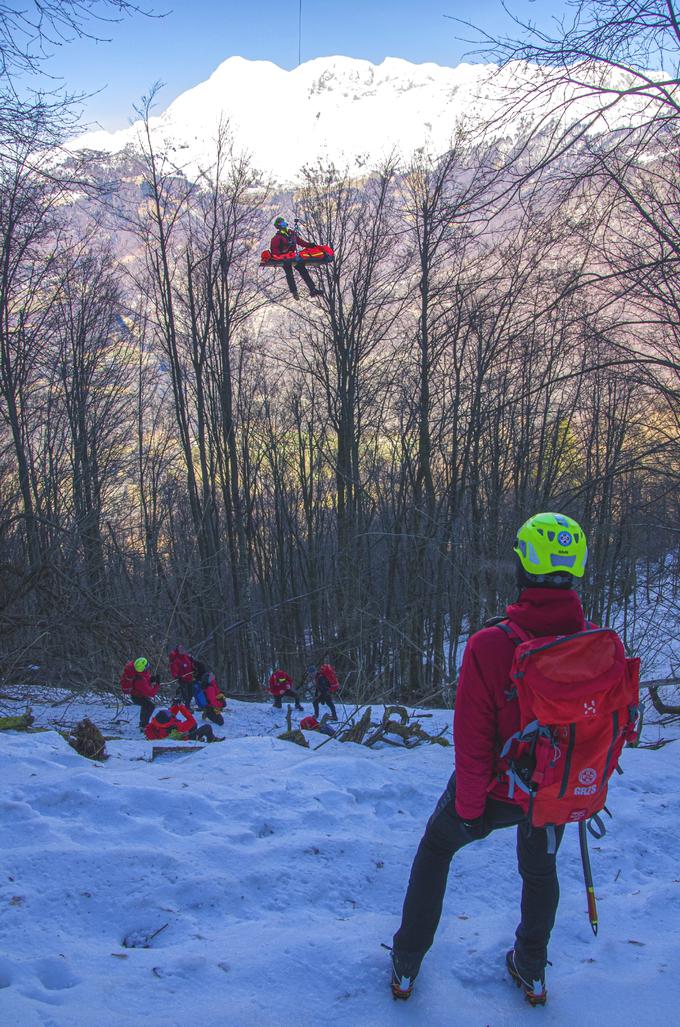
<point x="185" y="455"/>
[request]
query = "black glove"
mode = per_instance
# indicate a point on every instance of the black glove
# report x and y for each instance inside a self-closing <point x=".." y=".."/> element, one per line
<point x="155" y="679"/>
<point x="474" y="827"/>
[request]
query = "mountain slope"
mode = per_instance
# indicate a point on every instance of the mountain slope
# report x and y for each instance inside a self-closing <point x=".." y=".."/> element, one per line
<point x="339" y="110"/>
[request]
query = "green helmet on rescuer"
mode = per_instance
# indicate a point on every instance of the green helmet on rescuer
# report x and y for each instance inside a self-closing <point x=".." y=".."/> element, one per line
<point x="552" y="550"/>
<point x="280" y="224"/>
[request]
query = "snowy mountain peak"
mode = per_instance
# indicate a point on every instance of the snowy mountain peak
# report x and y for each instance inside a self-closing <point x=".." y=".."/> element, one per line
<point x="334" y="109"/>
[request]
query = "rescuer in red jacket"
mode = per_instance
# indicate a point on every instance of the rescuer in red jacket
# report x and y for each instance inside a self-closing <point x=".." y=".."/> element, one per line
<point x="178" y="719"/>
<point x="325" y="683"/>
<point x="551" y="553"/>
<point x="178" y="723"/>
<point x="182" y="667"/>
<point x="281" y="687"/>
<point x="138" y="684"/>
<point x="287" y="241"/>
<point x="209" y="699"/>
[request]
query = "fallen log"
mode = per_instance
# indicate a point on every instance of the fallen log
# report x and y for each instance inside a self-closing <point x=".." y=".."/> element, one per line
<point x="657" y="702"/>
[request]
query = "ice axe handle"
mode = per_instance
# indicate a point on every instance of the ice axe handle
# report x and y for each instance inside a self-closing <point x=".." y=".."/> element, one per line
<point x="588" y="876"/>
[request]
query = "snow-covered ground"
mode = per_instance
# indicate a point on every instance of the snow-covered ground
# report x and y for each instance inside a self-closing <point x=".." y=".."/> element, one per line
<point x="273" y="873"/>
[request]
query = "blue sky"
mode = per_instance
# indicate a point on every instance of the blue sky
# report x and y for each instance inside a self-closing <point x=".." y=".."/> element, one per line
<point x="184" y="47"/>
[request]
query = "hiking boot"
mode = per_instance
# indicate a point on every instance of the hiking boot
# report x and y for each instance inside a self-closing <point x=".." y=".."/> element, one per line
<point x="533" y="987"/>
<point x="405" y="967"/>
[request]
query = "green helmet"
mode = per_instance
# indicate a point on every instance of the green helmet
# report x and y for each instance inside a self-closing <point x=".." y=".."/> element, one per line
<point x="280" y="223"/>
<point x="141" y="664"/>
<point x="549" y="543"/>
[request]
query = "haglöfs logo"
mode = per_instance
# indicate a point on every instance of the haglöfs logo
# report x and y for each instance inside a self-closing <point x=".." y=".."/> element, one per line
<point x="564" y="538"/>
<point x="589" y="707"/>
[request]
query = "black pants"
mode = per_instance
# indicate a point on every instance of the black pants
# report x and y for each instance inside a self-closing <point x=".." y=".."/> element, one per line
<point x="304" y="275"/>
<point x="146" y="708"/>
<point x="322" y="697"/>
<point x="186" y="692"/>
<point x="444" y="835"/>
<point x="204" y="733"/>
<point x="210" y="713"/>
<point x="288" y="694"/>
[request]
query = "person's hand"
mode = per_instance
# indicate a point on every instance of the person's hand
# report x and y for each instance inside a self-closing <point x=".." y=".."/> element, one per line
<point x="475" y="826"/>
<point x="155" y="679"/>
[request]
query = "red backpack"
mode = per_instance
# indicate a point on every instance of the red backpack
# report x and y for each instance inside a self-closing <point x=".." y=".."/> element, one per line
<point x="331" y="677"/>
<point x="579" y="702"/>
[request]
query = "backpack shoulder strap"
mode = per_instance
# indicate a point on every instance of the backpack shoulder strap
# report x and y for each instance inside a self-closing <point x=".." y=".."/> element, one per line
<point x="516" y="634"/>
<point x="493" y="622"/>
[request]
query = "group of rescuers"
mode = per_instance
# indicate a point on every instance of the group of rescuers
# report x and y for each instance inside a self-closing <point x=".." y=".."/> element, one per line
<point x="550" y="556"/>
<point x="196" y="684"/>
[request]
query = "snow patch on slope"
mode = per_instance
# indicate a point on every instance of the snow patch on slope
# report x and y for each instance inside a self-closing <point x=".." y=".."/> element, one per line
<point x="279" y="871"/>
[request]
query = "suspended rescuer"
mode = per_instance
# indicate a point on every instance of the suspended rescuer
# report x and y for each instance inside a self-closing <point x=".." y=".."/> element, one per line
<point x="285" y="241"/>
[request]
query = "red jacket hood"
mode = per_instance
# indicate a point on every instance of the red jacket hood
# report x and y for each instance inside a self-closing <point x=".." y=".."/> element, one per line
<point x="547" y="611"/>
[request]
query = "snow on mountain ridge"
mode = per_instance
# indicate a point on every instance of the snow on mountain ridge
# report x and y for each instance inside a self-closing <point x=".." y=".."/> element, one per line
<point x="337" y="109"/>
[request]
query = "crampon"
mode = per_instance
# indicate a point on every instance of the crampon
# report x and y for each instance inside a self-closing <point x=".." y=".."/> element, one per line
<point x="404" y="972"/>
<point x="534" y="990"/>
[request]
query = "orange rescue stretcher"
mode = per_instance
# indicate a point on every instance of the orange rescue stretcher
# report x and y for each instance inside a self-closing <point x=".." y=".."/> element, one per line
<point x="310" y="256"/>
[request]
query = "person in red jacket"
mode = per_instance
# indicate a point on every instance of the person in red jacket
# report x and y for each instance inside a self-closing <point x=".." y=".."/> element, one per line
<point x="140" y="687"/>
<point x="551" y="553"/>
<point x="182" y="671"/>
<point x="178" y="718"/>
<point x="325" y="683"/>
<point x="209" y="699"/>
<point x="179" y="723"/>
<point x="287" y="241"/>
<point x="281" y="687"/>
